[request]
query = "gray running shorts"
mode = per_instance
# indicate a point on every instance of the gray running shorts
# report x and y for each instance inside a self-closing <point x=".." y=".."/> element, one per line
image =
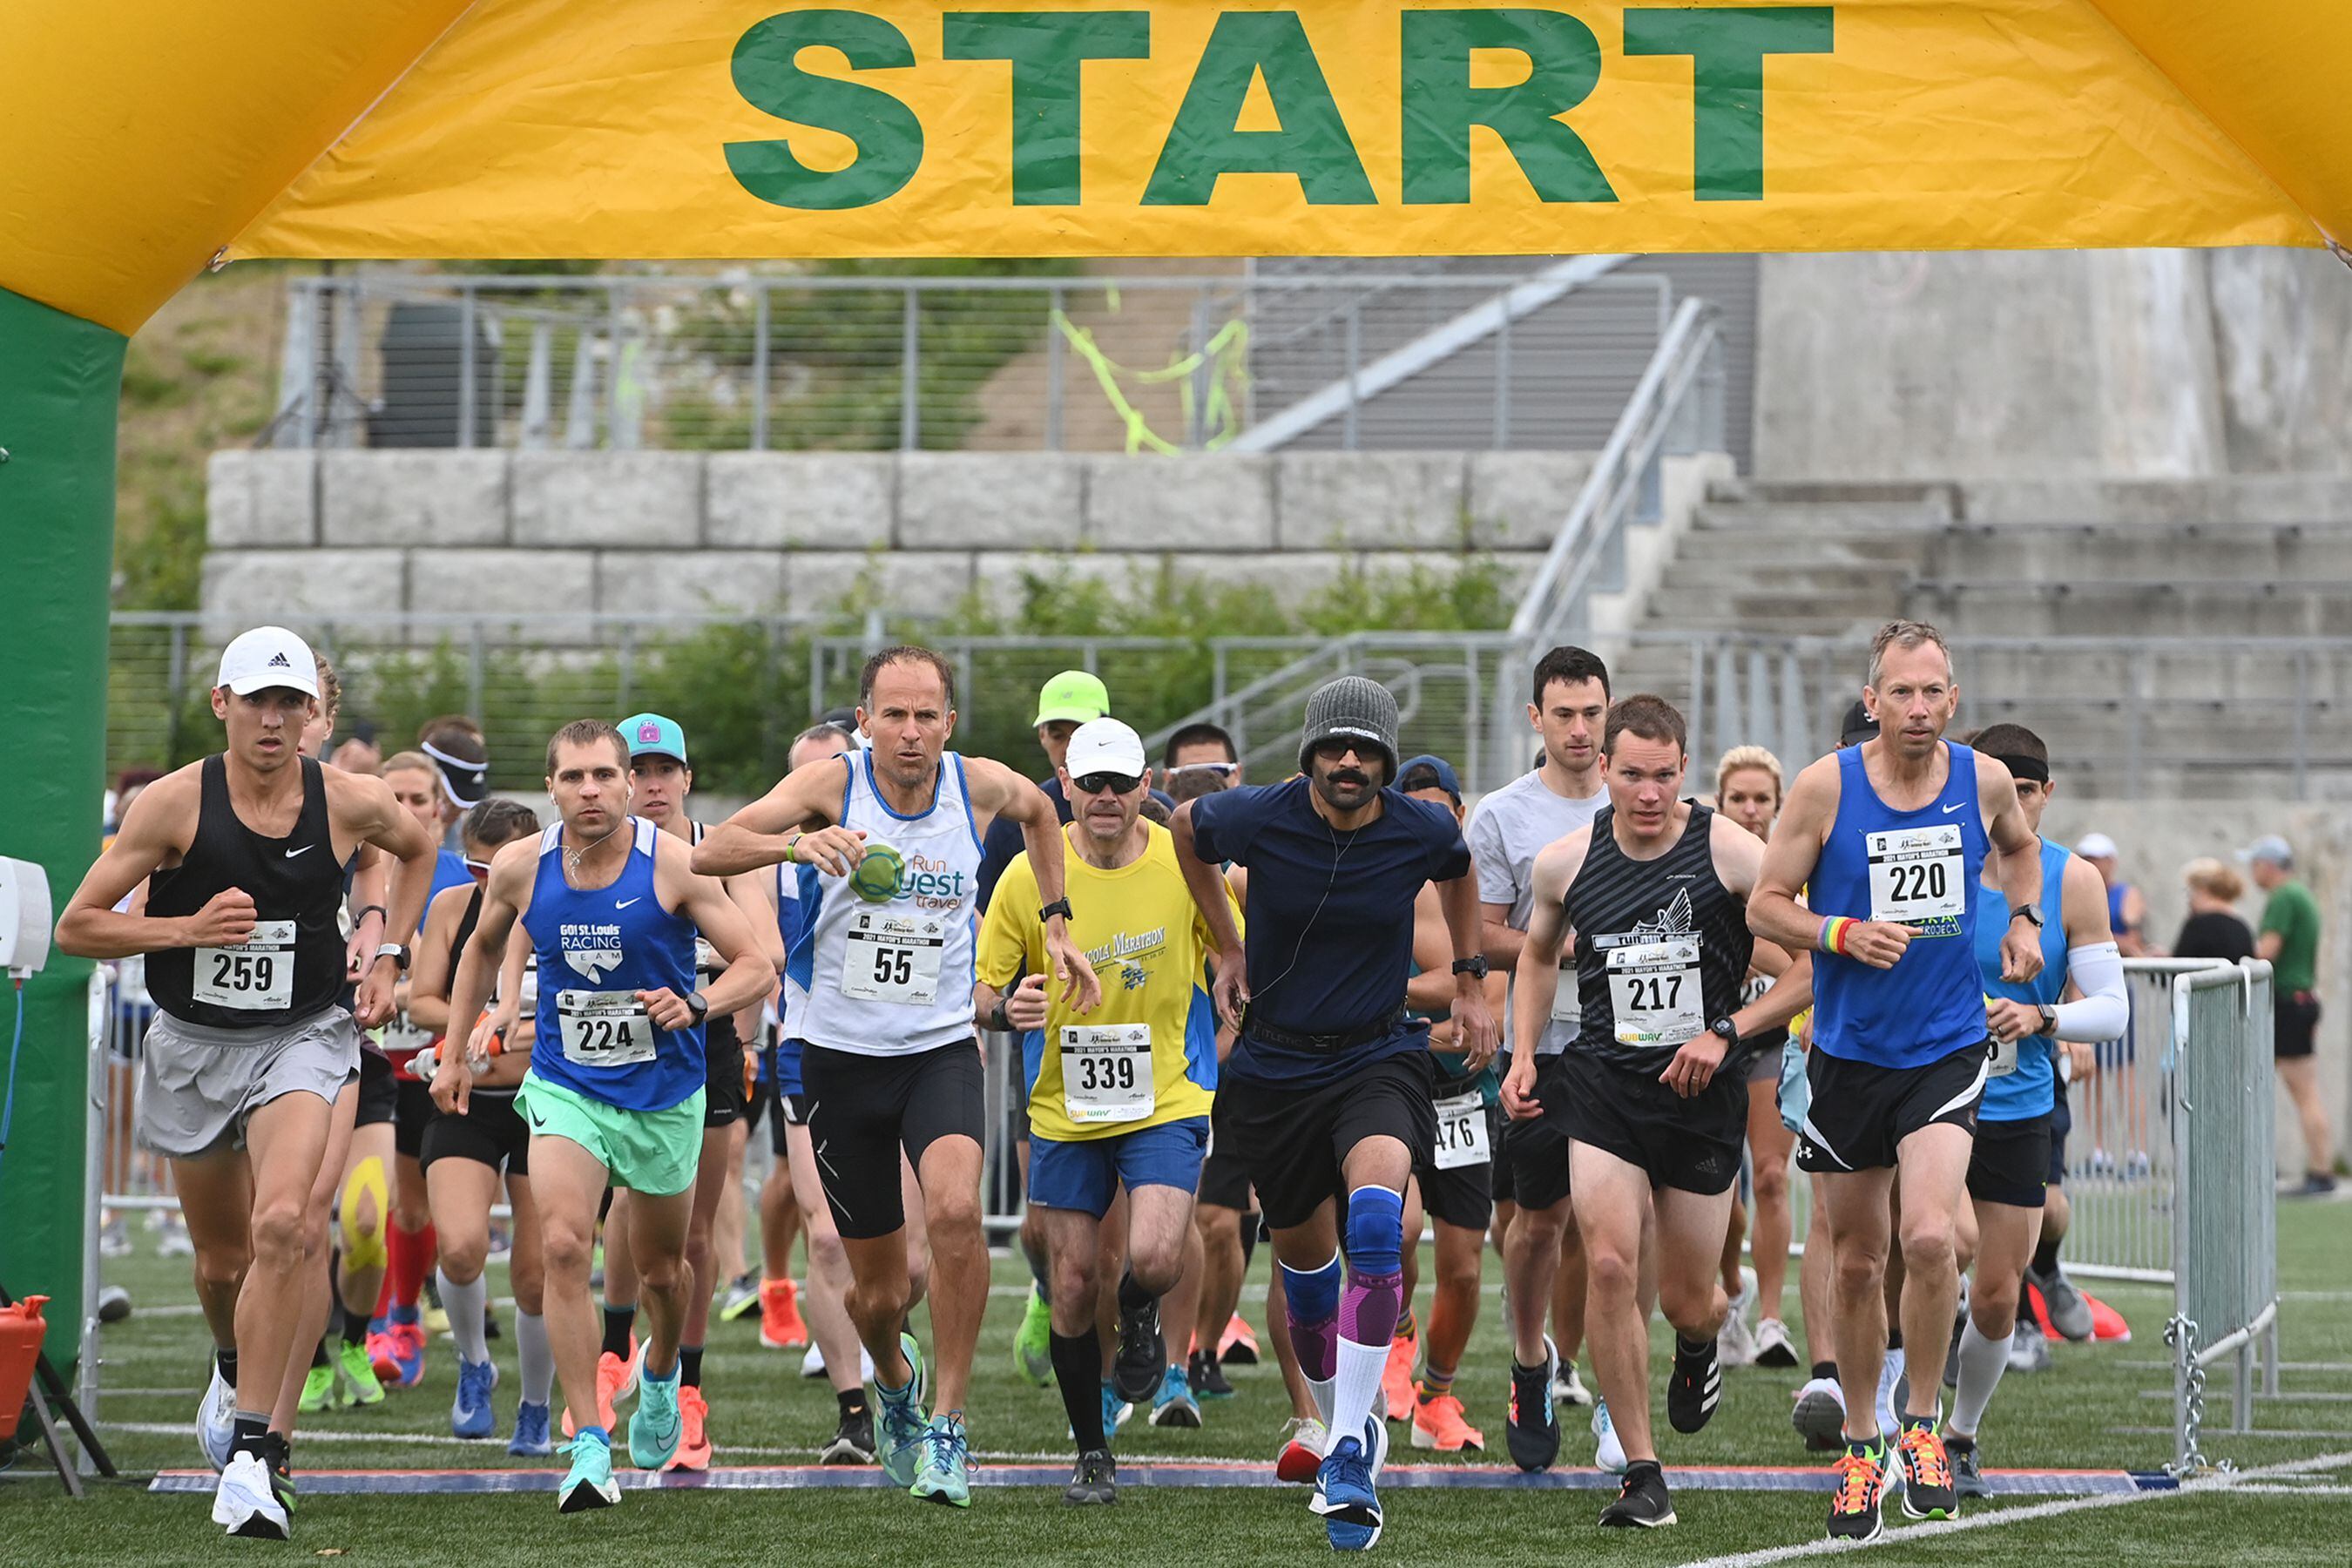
<point x="198" y="1086"/>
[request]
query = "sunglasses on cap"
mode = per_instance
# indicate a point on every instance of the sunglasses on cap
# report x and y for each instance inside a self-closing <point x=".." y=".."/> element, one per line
<point x="1117" y="784"/>
<point x="1222" y="769"/>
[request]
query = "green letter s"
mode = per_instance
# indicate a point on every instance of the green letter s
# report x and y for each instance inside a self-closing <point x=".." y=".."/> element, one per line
<point x="768" y="74"/>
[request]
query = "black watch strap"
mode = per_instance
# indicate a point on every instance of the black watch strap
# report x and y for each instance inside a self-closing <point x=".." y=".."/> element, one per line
<point x="699" y="1005"/>
<point x="1475" y="965"/>
<point x="1726" y="1029"/>
<point x="2030" y="912"/>
<point x="1058" y="907"/>
<point x="999" y="1018"/>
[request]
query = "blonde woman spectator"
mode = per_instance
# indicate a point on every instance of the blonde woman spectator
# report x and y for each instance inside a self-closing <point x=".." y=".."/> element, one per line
<point x="2214" y="927"/>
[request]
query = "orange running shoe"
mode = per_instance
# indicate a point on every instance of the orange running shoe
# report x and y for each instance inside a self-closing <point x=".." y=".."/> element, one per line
<point x="1438" y="1424"/>
<point x="616" y="1380"/>
<point x="693" y="1443"/>
<point x="1239" y="1347"/>
<point x="1396" y="1378"/>
<point x="781" y="1328"/>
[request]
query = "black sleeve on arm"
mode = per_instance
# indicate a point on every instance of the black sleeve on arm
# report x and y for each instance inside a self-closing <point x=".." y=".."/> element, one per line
<point x="1002" y="842"/>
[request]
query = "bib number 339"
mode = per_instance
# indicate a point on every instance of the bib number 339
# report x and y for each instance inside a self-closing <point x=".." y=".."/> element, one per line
<point x="1107" y="1072"/>
<point x="604" y="1028"/>
<point x="257" y="977"/>
<point x="892" y="958"/>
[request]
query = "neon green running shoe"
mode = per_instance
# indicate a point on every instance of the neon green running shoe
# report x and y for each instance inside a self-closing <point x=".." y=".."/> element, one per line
<point x="946" y="1473"/>
<point x="904" y="1425"/>
<point x="360" y="1384"/>
<point x="1033" y="1342"/>
<point x="318" y="1390"/>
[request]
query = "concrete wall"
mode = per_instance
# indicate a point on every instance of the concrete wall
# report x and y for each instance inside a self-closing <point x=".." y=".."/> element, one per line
<point x="2039" y="364"/>
<point x="493" y="531"/>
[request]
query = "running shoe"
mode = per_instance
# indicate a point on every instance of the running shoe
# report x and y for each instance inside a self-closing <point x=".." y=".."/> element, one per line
<point x="1774" y="1344"/>
<point x="1238" y="1347"/>
<point x="1641" y="1501"/>
<point x="246" y="1501"/>
<point x="1115" y="1410"/>
<point x="114" y="1239"/>
<point x="1608" y="1448"/>
<point x="1173" y="1405"/>
<point x="945" y="1476"/>
<point x="435" y="1318"/>
<point x="1438" y="1424"/>
<point x="1095" y="1481"/>
<point x="616" y="1380"/>
<point x="852" y="1440"/>
<point x="1303" y="1441"/>
<point x="280" y="1460"/>
<point x="1032" y="1341"/>
<point x="1855" y="1511"/>
<point x="2064" y="1306"/>
<point x="217" y="1419"/>
<point x="1396" y="1377"/>
<point x="589" y="1483"/>
<point x="1968" y="1467"/>
<point x="1529" y="1430"/>
<point x="407" y="1344"/>
<point x="2029" y="1349"/>
<point x="1736" y="1342"/>
<point x="658" y="1427"/>
<point x="1141" y="1361"/>
<point x="1567" y="1388"/>
<point x="469" y="1413"/>
<point x="1207" y="1376"/>
<point x="532" y="1436"/>
<point x="781" y="1325"/>
<point x="904" y="1425"/>
<point x="1343" y="1489"/>
<point x="174" y="1240"/>
<point x="694" y="1441"/>
<point x="1928" y="1489"/>
<point x="1893" y="1393"/>
<point x="361" y="1385"/>
<point x="1820" y="1414"/>
<point x="318" y="1390"/>
<point x="742" y="1297"/>
<point x="1694" y="1386"/>
<point x="383" y="1354"/>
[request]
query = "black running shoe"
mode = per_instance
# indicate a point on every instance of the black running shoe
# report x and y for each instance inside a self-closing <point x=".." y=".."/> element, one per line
<point x="1094" y="1481"/>
<point x="1642" y="1502"/>
<point x="1207" y="1378"/>
<point x="1928" y="1489"/>
<point x="1142" y="1358"/>
<point x="1968" y="1472"/>
<point x="1531" y="1432"/>
<point x="1854" y="1512"/>
<point x="853" y="1443"/>
<point x="1694" y="1386"/>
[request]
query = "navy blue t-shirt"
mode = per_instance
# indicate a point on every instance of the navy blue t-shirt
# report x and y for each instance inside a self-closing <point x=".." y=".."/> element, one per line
<point x="1329" y="938"/>
<point x="1004" y="839"/>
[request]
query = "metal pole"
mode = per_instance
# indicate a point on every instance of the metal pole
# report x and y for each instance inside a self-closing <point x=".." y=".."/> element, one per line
<point x="1503" y="375"/>
<point x="2302" y="723"/>
<point x="911" y="413"/>
<point x="179" y="690"/>
<point x="466" y="395"/>
<point x="760" y="369"/>
<point x="1054" y="368"/>
<point x="476" y="656"/>
<point x="93" y="1186"/>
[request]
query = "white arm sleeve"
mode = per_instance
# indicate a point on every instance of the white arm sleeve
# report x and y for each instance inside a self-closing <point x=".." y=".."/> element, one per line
<point x="2104" y="1013"/>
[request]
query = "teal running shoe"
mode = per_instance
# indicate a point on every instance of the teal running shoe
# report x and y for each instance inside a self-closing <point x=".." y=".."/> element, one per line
<point x="655" y="1427"/>
<point x="946" y="1473"/>
<point x="1174" y="1405"/>
<point x="589" y="1484"/>
<point x="1032" y="1341"/>
<point x="904" y="1425"/>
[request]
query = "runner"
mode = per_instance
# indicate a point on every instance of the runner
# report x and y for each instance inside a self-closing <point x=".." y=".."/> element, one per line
<point x="1120" y="1099"/>
<point x="1543" y="1256"/>
<point x="618" y="1096"/>
<point x="1888" y="839"/>
<point x="891" y="1058"/>
<point x="464" y="1156"/>
<point x="2009" y="1167"/>
<point x="1329" y="1083"/>
<point x="241" y="1073"/>
<point x="1653" y="1093"/>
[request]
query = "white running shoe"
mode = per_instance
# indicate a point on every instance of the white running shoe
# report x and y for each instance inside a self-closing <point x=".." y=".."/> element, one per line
<point x="1568" y="1388"/>
<point x="812" y="1364"/>
<point x="2029" y="1350"/>
<point x="246" y="1504"/>
<point x="1820" y="1414"/>
<point x="1890" y="1373"/>
<point x="1774" y="1344"/>
<point x="1608" y="1450"/>
<point x="217" y="1420"/>
<point x="1735" y="1343"/>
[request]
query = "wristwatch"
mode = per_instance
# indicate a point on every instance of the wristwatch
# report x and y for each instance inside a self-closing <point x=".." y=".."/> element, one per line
<point x="1474" y="965"/>
<point x="1000" y="1018"/>
<point x="393" y="951"/>
<point x="2049" y="1016"/>
<point x="2027" y="912"/>
<point x="699" y="1005"/>
<point x="1726" y="1029"/>
<point x="1058" y="907"/>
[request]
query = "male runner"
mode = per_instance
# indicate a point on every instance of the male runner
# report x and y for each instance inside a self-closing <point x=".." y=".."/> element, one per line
<point x="1653" y="1094"/>
<point x="891" y="1056"/>
<point x="1888" y="840"/>
<point x="1121" y="1098"/>
<point x="2008" y="1166"/>
<point x="614" y="1093"/>
<point x="244" y="854"/>
<point x="1329" y="1083"/>
<point x="1543" y="1258"/>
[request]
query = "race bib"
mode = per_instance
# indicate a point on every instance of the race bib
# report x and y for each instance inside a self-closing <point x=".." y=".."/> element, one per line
<point x="1653" y="992"/>
<point x="604" y="1028"/>
<point x="2004" y="1058"/>
<point x="1917" y="878"/>
<point x="892" y="957"/>
<point x="1566" y="1006"/>
<point x="257" y="977"/>
<point x="402" y="1037"/>
<point x="1107" y="1072"/>
<point x="1461" y="1131"/>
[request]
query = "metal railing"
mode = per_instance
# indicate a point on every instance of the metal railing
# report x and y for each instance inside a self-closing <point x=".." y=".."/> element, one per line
<point x="1541" y="357"/>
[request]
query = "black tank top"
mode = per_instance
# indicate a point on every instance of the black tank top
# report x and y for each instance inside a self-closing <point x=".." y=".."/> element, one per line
<point x="1661" y="946"/>
<point x="293" y="966"/>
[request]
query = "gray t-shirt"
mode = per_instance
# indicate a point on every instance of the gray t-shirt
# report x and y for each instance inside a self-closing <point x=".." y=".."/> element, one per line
<point x="1508" y="830"/>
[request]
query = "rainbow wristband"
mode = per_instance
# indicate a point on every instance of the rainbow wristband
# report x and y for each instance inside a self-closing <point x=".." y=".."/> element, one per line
<point x="1833" y="933"/>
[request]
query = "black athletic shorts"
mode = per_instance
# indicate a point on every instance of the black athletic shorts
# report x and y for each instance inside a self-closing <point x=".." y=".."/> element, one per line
<point x="755" y="1104"/>
<point x="861" y="1110"/>
<point x="493" y="1132"/>
<point x="1223" y="1181"/>
<point x="1463" y="1195"/>
<point x="1502" y="1183"/>
<point x="722" y="1054"/>
<point x="2295" y="1020"/>
<point x="1293" y="1142"/>
<point x="1537" y="1149"/>
<point x="1691" y="1145"/>
<point x="1861" y="1113"/>
<point x="2062" y="1121"/>
<point x="2010" y="1163"/>
<point x="378" y="1091"/>
<point x="413" y="1112"/>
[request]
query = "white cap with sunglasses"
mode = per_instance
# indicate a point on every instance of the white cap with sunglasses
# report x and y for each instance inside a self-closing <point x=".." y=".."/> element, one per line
<point x="1105" y="746"/>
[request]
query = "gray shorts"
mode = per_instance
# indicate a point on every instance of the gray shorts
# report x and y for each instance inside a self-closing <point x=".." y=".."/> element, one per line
<point x="198" y="1086"/>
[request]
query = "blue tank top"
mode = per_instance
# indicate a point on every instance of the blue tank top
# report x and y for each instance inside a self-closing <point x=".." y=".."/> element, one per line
<point x="608" y="941"/>
<point x="1918" y="869"/>
<point x="2030" y="1090"/>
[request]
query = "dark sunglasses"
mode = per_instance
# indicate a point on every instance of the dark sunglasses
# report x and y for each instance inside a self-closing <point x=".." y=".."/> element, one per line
<point x="1118" y="784"/>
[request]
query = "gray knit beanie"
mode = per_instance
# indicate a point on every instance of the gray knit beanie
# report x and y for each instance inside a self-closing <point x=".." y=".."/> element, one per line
<point x="1352" y="709"/>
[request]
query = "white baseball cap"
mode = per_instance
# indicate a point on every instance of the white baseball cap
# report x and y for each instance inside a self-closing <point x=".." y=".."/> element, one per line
<point x="2096" y="846"/>
<point x="1105" y="746"/>
<point x="267" y="657"/>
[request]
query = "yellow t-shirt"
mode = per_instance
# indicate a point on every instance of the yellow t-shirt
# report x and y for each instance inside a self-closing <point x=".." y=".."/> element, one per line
<point x="1151" y="950"/>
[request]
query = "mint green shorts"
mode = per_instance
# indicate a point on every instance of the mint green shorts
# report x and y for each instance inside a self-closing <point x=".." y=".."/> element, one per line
<point x="649" y="1152"/>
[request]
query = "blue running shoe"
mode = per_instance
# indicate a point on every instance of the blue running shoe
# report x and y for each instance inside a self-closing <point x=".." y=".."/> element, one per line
<point x="656" y="1426"/>
<point x="589" y="1484"/>
<point x="1173" y="1405"/>
<point x="470" y="1412"/>
<point x="904" y="1425"/>
<point x="531" y="1433"/>
<point x="1344" y="1494"/>
<point x="946" y="1473"/>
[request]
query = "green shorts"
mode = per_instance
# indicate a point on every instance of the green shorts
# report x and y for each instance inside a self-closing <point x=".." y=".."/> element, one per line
<point x="649" y="1152"/>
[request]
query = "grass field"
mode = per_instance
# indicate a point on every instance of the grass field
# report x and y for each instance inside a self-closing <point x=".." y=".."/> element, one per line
<point x="2104" y="1407"/>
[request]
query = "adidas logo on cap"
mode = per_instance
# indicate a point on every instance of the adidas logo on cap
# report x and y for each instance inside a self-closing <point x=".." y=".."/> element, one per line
<point x="279" y="661"/>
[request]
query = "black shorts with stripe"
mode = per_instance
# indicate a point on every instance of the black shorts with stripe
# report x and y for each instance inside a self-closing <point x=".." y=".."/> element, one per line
<point x="1861" y="1113"/>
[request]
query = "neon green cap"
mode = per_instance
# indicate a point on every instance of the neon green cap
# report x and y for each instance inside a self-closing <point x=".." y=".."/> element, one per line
<point x="1075" y="695"/>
